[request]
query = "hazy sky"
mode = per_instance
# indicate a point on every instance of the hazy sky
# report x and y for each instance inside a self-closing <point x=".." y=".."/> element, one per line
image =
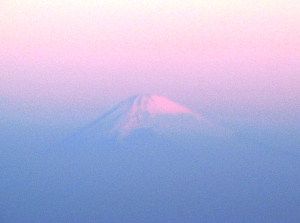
<point x="63" y="63"/>
<point x="240" y="59"/>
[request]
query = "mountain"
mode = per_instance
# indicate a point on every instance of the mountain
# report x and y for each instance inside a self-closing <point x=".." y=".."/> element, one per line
<point x="150" y="159"/>
<point x="144" y="117"/>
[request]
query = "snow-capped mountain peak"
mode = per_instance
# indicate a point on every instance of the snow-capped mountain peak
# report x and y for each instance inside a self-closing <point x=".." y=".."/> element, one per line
<point x="155" y="104"/>
<point x="147" y="111"/>
<point x="144" y="116"/>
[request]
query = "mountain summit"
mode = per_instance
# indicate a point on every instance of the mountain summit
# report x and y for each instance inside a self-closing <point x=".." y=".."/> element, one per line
<point x="148" y="115"/>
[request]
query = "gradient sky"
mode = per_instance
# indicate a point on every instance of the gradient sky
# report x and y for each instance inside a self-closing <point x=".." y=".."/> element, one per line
<point x="63" y="63"/>
<point x="239" y="60"/>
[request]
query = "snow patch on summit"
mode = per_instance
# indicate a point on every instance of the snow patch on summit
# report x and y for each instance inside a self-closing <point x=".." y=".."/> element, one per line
<point x="145" y="110"/>
<point x="155" y="104"/>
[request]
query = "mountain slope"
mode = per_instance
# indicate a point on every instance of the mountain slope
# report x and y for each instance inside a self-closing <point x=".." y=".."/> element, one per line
<point x="203" y="174"/>
<point x="144" y="116"/>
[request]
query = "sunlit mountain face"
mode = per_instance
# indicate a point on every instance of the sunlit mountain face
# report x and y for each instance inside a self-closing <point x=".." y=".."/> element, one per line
<point x="150" y="159"/>
<point x="147" y="118"/>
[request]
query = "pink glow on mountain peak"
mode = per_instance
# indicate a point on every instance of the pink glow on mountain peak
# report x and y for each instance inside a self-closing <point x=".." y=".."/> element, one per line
<point x="155" y="104"/>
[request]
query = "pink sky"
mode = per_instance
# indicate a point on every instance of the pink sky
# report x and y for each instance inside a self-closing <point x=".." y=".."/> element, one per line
<point x="232" y="55"/>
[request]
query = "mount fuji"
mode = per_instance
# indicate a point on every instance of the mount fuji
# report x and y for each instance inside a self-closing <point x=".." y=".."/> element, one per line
<point x="150" y="159"/>
<point x="148" y="117"/>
